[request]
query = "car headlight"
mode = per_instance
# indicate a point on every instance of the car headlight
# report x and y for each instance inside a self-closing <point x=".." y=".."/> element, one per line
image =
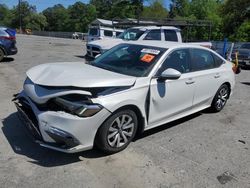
<point x="78" y="108"/>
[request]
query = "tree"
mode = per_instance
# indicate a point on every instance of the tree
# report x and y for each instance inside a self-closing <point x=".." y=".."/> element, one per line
<point x="24" y="11"/>
<point x="207" y="10"/>
<point x="179" y="8"/>
<point x="57" y="18"/>
<point x="109" y="9"/>
<point x="35" y="22"/>
<point x="234" y="13"/>
<point x="155" y="10"/>
<point x="80" y="15"/>
<point x="242" y="33"/>
<point x="5" y="15"/>
<point x="102" y="7"/>
<point x="121" y="9"/>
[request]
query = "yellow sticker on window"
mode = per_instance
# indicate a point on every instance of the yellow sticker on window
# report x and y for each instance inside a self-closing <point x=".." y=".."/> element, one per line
<point x="147" y="58"/>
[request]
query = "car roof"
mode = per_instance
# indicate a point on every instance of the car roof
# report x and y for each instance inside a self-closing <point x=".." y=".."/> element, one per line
<point x="165" y="44"/>
<point x="156" y="27"/>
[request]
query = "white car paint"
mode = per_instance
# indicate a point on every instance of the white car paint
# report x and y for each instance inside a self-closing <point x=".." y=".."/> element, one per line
<point x="169" y="100"/>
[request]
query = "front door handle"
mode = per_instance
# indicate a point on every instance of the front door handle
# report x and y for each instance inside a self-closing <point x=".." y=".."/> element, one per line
<point x="190" y="81"/>
<point x="217" y="75"/>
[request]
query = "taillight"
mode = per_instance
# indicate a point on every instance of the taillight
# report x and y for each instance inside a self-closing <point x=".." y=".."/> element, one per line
<point x="8" y="37"/>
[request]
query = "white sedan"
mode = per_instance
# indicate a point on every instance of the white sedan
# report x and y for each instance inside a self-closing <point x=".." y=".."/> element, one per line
<point x="133" y="87"/>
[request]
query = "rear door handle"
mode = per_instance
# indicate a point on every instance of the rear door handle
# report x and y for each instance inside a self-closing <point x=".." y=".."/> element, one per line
<point x="190" y="81"/>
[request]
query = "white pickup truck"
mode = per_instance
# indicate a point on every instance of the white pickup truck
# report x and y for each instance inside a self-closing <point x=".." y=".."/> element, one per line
<point x="157" y="33"/>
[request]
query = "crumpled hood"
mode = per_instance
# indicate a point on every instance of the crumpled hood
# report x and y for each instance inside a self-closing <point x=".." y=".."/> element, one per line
<point x="106" y="43"/>
<point x="76" y="74"/>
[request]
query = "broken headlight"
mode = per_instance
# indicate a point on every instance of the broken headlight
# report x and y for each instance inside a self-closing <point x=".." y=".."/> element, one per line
<point x="78" y="108"/>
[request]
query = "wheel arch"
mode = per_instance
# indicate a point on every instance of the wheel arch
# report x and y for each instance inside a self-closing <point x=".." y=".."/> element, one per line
<point x="136" y="109"/>
<point x="4" y="51"/>
<point x="140" y="117"/>
<point x="229" y="86"/>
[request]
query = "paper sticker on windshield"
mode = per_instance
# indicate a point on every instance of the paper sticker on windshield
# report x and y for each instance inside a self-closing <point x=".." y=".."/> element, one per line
<point x="150" y="51"/>
<point x="147" y="58"/>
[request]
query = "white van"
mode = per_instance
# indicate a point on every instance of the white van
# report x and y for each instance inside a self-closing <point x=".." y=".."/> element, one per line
<point x="101" y="32"/>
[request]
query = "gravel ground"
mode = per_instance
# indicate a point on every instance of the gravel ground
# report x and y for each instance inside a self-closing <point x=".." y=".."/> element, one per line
<point x="202" y="150"/>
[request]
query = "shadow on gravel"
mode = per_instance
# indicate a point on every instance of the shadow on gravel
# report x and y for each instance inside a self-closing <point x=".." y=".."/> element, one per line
<point x="80" y="56"/>
<point x="246" y="83"/>
<point x="7" y="59"/>
<point x="22" y="144"/>
<point x="168" y="125"/>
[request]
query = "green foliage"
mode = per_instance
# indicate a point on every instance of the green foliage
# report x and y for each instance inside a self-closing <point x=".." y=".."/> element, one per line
<point x="155" y="10"/>
<point x="179" y="8"/>
<point x="234" y="13"/>
<point x="121" y="9"/>
<point x="109" y="9"/>
<point x="26" y="10"/>
<point x="242" y="33"/>
<point x="35" y="22"/>
<point x="57" y="18"/>
<point x="80" y="15"/>
<point x="5" y="16"/>
<point x="230" y="18"/>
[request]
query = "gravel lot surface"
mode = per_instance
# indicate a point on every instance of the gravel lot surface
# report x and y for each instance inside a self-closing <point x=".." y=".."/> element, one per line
<point x="202" y="150"/>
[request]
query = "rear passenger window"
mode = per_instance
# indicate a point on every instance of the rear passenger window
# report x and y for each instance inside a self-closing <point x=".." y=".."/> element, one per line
<point x="217" y="60"/>
<point x="178" y="60"/>
<point x="153" y="35"/>
<point x="108" y="33"/>
<point x="170" y="35"/>
<point x="202" y="60"/>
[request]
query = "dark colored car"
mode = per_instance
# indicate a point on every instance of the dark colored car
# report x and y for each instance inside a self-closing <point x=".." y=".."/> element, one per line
<point x="244" y="55"/>
<point x="7" y="42"/>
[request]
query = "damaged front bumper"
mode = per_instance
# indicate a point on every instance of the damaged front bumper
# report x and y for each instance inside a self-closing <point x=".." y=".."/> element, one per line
<point x="58" y="130"/>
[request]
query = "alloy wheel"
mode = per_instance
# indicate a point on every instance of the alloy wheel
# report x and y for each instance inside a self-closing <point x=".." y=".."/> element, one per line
<point x="222" y="98"/>
<point x="120" y="131"/>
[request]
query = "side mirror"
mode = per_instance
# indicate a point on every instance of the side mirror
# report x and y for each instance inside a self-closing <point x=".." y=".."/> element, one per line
<point x="170" y="74"/>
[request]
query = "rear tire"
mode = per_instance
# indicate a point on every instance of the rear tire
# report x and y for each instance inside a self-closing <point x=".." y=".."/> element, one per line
<point x="1" y="54"/>
<point x="117" y="131"/>
<point x="220" y="98"/>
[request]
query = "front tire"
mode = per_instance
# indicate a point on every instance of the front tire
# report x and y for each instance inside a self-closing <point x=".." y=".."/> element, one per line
<point x="117" y="131"/>
<point x="220" y="98"/>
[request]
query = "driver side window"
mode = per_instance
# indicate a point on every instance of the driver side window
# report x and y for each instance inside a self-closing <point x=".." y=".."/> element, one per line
<point x="178" y="60"/>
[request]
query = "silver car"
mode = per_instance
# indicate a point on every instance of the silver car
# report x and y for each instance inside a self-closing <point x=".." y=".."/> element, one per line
<point x="133" y="87"/>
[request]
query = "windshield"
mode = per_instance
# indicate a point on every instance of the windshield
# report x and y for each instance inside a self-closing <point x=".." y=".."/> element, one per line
<point x="247" y="46"/>
<point x="130" y="59"/>
<point x="131" y="34"/>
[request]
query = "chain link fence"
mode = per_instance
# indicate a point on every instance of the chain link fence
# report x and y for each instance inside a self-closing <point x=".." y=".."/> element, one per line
<point x="72" y="35"/>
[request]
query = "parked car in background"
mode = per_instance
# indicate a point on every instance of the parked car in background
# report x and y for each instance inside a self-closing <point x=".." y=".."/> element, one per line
<point x="7" y="42"/>
<point x="101" y="32"/>
<point x="133" y="87"/>
<point x="141" y="33"/>
<point x="243" y="55"/>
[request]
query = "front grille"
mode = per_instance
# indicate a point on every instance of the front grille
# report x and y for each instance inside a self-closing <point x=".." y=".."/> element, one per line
<point x="29" y="112"/>
<point x="95" y="49"/>
<point x="28" y="117"/>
